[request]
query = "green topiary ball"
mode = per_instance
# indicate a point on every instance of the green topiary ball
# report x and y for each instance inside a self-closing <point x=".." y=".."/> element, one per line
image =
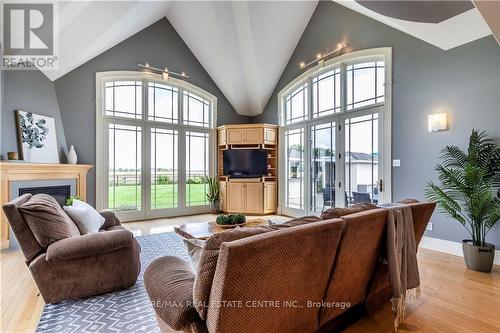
<point x="230" y="219"/>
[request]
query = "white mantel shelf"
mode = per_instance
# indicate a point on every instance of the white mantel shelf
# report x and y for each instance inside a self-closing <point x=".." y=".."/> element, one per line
<point x="22" y="171"/>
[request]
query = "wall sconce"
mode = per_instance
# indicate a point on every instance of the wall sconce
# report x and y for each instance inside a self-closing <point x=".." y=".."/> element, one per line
<point x="438" y="122"/>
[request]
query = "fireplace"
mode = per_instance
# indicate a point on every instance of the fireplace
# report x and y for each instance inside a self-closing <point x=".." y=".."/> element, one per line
<point x="60" y="192"/>
<point x="54" y="179"/>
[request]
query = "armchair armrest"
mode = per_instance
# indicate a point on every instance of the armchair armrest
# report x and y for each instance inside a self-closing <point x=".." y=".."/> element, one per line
<point x="169" y="282"/>
<point x="89" y="245"/>
<point x="110" y="219"/>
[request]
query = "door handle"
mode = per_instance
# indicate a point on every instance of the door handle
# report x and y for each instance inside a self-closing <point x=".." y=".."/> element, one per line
<point x="380" y="185"/>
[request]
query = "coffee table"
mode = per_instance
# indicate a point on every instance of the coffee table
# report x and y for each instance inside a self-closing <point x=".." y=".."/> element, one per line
<point x="204" y="230"/>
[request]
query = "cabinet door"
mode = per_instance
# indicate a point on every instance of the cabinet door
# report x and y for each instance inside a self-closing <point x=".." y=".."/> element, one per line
<point x="235" y="194"/>
<point x="254" y="198"/>
<point x="270" y="136"/>
<point x="221" y="137"/>
<point x="235" y="136"/>
<point x="222" y="196"/>
<point x="270" y="191"/>
<point x="253" y="135"/>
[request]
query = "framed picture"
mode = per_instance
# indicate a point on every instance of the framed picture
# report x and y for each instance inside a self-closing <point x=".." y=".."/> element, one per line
<point x="36" y="135"/>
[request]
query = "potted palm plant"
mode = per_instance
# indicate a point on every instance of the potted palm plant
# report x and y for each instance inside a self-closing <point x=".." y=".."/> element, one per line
<point x="213" y="194"/>
<point x="468" y="182"/>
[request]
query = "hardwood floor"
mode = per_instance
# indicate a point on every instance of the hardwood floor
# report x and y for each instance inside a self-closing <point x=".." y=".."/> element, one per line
<point x="453" y="298"/>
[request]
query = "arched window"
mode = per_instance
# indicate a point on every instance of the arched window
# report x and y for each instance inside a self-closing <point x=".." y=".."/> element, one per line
<point x="154" y="145"/>
<point x="335" y="128"/>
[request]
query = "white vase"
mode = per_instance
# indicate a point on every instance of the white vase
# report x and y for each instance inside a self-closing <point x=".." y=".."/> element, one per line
<point x="72" y="158"/>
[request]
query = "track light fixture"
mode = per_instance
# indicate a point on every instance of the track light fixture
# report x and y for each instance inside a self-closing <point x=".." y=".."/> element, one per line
<point x="164" y="72"/>
<point x="322" y="55"/>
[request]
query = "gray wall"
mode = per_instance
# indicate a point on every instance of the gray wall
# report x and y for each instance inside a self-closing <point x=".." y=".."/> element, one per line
<point x="160" y="45"/>
<point x="28" y="90"/>
<point x="464" y="81"/>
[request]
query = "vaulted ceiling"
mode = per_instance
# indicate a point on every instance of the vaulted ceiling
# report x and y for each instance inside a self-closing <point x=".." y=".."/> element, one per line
<point x="245" y="45"/>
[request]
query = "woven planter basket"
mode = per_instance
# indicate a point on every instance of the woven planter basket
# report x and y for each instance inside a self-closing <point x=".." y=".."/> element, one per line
<point x="478" y="258"/>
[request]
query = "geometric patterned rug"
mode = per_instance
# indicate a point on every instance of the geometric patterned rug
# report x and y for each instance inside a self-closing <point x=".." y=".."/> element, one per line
<point x="121" y="311"/>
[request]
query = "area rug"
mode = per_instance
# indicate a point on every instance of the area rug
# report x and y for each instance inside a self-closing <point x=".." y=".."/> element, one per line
<point x="122" y="311"/>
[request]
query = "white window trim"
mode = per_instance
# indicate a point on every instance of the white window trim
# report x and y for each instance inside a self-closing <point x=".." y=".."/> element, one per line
<point x="101" y="151"/>
<point x="385" y="54"/>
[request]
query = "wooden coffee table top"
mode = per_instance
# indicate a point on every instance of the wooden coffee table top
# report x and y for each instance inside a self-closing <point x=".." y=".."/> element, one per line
<point x="204" y="230"/>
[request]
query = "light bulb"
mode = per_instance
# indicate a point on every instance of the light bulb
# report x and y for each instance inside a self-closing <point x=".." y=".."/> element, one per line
<point x="340" y="45"/>
<point x="147" y="64"/>
<point x="302" y="64"/>
<point x="318" y="56"/>
<point x="183" y="74"/>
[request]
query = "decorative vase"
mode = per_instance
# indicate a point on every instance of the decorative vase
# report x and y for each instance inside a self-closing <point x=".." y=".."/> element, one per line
<point x="478" y="258"/>
<point x="72" y="158"/>
<point x="214" y="207"/>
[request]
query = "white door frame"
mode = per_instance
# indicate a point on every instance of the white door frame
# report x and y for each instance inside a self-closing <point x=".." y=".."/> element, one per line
<point x="384" y="130"/>
<point x="102" y="153"/>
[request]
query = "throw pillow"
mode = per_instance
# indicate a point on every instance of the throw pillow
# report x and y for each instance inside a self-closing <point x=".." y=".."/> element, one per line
<point x="333" y="213"/>
<point x="47" y="220"/>
<point x="87" y="219"/>
<point x="194" y="248"/>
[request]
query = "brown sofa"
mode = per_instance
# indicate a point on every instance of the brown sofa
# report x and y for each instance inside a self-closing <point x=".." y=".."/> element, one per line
<point x="79" y="266"/>
<point x="306" y="276"/>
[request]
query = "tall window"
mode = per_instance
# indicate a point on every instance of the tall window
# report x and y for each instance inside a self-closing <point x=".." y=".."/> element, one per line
<point x="335" y="125"/>
<point x="154" y="145"/>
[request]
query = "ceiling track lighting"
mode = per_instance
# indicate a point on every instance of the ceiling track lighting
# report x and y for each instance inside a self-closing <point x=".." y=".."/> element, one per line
<point x="164" y="72"/>
<point x="322" y="55"/>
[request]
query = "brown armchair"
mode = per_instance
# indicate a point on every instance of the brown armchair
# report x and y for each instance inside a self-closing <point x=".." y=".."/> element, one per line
<point x="78" y="266"/>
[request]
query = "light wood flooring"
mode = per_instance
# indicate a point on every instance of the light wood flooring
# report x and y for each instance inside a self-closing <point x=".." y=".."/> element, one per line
<point x="453" y="298"/>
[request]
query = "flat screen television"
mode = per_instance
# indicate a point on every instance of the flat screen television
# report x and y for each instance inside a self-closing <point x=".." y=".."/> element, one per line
<point x="245" y="163"/>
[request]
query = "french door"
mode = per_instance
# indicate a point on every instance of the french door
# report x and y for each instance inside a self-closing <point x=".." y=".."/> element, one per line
<point x="155" y="147"/>
<point x="333" y="163"/>
<point x="335" y="130"/>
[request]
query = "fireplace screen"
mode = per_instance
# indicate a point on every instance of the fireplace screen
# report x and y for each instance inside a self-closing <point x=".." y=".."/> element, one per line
<point x="60" y="193"/>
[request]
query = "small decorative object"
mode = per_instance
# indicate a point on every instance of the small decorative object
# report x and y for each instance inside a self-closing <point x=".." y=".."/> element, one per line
<point x="36" y="137"/>
<point x="12" y="156"/>
<point x="72" y="158"/>
<point x="69" y="200"/>
<point x="231" y="221"/>
<point x="467" y="191"/>
<point x="213" y="194"/>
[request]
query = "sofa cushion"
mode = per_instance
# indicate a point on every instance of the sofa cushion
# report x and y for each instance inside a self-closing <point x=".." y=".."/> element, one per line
<point x="356" y="258"/>
<point x="295" y="222"/>
<point x="170" y="279"/>
<point x="47" y="220"/>
<point x="338" y="212"/>
<point x="86" y="218"/>
<point x="408" y="201"/>
<point x="27" y="241"/>
<point x="208" y="262"/>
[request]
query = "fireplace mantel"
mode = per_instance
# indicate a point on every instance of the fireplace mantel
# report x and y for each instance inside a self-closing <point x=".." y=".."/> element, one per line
<point x="19" y="171"/>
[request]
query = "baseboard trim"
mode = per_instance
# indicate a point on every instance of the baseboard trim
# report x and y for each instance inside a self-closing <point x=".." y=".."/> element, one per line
<point x="449" y="247"/>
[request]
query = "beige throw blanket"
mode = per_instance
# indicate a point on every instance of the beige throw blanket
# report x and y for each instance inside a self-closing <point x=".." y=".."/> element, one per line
<point x="402" y="260"/>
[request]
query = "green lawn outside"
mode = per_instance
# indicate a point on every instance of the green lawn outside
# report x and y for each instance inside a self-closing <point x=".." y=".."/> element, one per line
<point x="162" y="196"/>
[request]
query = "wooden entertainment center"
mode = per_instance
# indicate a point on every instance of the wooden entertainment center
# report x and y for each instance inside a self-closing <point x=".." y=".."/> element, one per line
<point x="249" y="195"/>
